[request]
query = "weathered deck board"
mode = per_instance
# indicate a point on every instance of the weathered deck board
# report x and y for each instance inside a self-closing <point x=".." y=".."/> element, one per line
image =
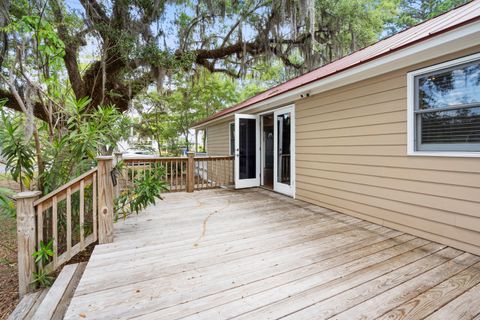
<point x="254" y="254"/>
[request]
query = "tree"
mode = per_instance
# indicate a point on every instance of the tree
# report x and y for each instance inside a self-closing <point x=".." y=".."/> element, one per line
<point x="154" y="121"/>
<point x="412" y="12"/>
<point x="167" y="118"/>
<point x="140" y="43"/>
<point x="17" y="151"/>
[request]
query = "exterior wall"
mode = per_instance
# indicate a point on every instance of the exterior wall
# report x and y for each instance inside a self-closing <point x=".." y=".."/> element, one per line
<point x="351" y="145"/>
<point x="218" y="144"/>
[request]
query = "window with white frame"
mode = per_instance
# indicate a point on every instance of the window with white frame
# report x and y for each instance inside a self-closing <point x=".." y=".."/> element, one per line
<point x="446" y="107"/>
<point x="232" y="138"/>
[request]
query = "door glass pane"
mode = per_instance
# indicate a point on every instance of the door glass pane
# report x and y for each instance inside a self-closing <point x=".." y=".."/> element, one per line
<point x="247" y="151"/>
<point x="283" y="152"/>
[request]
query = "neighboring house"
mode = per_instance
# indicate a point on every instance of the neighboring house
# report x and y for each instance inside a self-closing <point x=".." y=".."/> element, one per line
<point x="390" y="133"/>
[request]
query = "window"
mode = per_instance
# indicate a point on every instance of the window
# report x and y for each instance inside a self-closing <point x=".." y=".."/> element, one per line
<point x="444" y="108"/>
<point x="232" y="138"/>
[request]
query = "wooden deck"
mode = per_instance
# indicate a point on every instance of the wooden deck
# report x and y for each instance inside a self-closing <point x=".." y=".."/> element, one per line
<point x="254" y="254"/>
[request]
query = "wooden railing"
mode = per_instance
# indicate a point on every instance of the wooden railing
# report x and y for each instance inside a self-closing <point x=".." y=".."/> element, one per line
<point x="72" y="217"/>
<point x="81" y="212"/>
<point x="68" y="217"/>
<point x="181" y="173"/>
<point x="174" y="171"/>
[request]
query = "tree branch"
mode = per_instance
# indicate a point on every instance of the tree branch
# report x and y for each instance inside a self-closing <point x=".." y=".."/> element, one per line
<point x="38" y="109"/>
<point x="95" y="11"/>
<point x="71" y="48"/>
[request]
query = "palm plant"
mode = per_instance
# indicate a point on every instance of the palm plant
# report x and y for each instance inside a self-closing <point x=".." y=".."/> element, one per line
<point x="7" y="205"/>
<point x="18" y="153"/>
<point x="144" y="191"/>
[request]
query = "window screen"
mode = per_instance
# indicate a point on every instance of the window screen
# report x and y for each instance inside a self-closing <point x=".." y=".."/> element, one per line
<point x="447" y="109"/>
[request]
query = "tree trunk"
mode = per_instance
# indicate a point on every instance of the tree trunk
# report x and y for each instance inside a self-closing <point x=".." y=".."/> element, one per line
<point x="40" y="164"/>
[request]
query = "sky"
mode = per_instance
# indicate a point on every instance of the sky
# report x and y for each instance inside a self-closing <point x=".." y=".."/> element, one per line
<point x="171" y="13"/>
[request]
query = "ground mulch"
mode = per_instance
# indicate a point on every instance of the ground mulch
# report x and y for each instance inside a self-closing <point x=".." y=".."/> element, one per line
<point x="8" y="257"/>
<point x="8" y="266"/>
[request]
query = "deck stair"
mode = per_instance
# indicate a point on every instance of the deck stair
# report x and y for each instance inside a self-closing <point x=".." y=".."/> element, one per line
<point x="50" y="303"/>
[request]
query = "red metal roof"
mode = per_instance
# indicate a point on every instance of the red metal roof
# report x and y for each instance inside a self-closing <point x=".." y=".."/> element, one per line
<point x="460" y="16"/>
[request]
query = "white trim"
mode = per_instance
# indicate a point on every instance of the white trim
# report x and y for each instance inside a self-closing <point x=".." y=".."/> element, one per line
<point x="280" y="187"/>
<point x="254" y="182"/>
<point x="460" y="38"/>
<point x="445" y="154"/>
<point x="411" y="133"/>
<point x="262" y="151"/>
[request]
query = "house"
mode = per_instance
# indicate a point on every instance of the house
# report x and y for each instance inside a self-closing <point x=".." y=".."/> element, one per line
<point x="390" y="133"/>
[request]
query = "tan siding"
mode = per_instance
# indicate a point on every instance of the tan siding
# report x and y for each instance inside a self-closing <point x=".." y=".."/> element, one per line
<point x="218" y="143"/>
<point x="352" y="157"/>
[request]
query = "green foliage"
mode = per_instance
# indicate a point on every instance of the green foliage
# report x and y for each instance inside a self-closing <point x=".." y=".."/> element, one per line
<point x="42" y="257"/>
<point x="44" y="253"/>
<point x="167" y="118"/>
<point x="93" y="133"/>
<point x="48" y="43"/>
<point x="7" y="206"/>
<point x="346" y="26"/>
<point x="258" y="43"/>
<point x="412" y="12"/>
<point x="88" y="134"/>
<point x="42" y="279"/>
<point x="146" y="189"/>
<point x="18" y="153"/>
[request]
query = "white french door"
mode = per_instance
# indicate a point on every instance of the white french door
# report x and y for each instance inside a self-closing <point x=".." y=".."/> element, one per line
<point x="247" y="151"/>
<point x="284" y="151"/>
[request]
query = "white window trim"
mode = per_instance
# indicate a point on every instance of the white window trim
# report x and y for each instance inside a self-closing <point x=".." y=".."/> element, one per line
<point x="411" y="108"/>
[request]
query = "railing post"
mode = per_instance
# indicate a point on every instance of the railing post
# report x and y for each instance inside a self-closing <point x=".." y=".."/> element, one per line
<point x="105" y="199"/>
<point x="26" y="239"/>
<point x="191" y="171"/>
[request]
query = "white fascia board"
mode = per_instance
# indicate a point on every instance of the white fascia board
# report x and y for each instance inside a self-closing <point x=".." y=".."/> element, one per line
<point x="449" y="42"/>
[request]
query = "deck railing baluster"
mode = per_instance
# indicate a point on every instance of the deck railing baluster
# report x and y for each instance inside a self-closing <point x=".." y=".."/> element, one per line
<point x="55" y="231"/>
<point x="176" y="175"/>
<point x="39" y="225"/>
<point x="82" y="214"/>
<point x="94" y="206"/>
<point x="69" y="222"/>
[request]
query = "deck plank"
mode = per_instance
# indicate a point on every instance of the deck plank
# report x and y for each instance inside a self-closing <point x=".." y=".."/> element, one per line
<point x="255" y="254"/>
<point x="392" y="298"/>
<point x="429" y="301"/>
<point x="330" y="307"/>
<point x="461" y="307"/>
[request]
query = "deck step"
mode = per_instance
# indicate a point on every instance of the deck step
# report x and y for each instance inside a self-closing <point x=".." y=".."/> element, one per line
<point x="50" y="303"/>
<point x="27" y="307"/>
<point x="59" y="295"/>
